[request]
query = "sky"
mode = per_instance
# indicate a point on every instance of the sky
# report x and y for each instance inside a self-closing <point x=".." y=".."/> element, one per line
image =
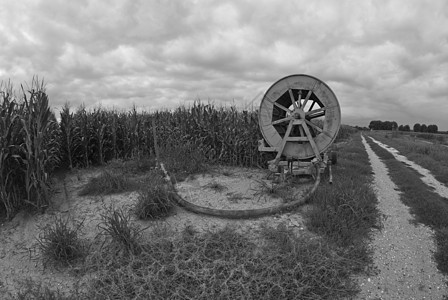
<point x="384" y="60"/>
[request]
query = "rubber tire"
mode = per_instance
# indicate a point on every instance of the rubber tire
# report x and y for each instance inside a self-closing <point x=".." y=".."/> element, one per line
<point x="334" y="158"/>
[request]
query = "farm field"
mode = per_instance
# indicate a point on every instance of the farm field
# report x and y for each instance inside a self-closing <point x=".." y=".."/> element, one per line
<point x="108" y="228"/>
<point x="87" y="214"/>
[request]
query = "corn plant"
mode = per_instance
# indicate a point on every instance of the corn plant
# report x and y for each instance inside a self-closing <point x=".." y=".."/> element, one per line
<point x="82" y="121"/>
<point x="29" y="147"/>
<point x="70" y="136"/>
<point x="9" y="150"/>
<point x="40" y="148"/>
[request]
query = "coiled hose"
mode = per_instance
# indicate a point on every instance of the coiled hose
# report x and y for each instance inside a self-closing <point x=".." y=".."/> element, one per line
<point x="240" y="214"/>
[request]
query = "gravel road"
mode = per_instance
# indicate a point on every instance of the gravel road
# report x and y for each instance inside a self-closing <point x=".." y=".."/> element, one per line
<point x="402" y="251"/>
<point x="427" y="177"/>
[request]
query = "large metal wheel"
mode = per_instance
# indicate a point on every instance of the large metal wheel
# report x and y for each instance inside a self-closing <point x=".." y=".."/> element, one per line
<point x="300" y="116"/>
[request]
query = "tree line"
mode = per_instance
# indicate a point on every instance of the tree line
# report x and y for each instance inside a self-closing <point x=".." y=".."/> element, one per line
<point x="392" y="125"/>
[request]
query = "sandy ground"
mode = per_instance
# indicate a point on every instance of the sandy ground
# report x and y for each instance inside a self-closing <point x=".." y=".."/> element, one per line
<point x="241" y="189"/>
<point x="402" y="251"/>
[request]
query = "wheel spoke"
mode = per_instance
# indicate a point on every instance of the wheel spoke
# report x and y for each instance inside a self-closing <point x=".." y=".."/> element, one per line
<point x="307" y="98"/>
<point x="302" y="133"/>
<point x="281" y="120"/>
<point x="299" y="98"/>
<point x="282" y="107"/>
<point x="291" y="95"/>
<point x="312" y="105"/>
<point x="315" y="113"/>
<point x="312" y="142"/>
<point x="311" y="124"/>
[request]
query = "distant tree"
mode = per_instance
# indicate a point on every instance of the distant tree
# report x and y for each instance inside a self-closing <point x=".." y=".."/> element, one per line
<point x="380" y="125"/>
<point x="401" y="128"/>
<point x="433" y="128"/>
<point x="375" y="125"/>
<point x="406" y="128"/>
<point x="417" y="127"/>
<point x="423" y="128"/>
<point x="394" y="125"/>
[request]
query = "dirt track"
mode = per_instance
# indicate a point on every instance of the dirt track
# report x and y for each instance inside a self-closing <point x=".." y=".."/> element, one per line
<point x="402" y="251"/>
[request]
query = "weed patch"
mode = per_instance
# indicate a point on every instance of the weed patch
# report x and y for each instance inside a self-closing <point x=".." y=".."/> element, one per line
<point x="59" y="242"/>
<point x="123" y="235"/>
<point x="107" y="183"/>
<point x="155" y="200"/>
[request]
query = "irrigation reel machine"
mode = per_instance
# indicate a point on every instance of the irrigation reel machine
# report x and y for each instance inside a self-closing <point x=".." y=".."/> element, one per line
<point x="299" y="118"/>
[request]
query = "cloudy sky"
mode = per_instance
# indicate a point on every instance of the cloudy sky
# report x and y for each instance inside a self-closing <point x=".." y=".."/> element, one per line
<point x="385" y="60"/>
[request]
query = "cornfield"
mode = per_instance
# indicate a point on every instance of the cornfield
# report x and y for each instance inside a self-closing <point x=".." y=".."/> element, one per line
<point x="223" y="135"/>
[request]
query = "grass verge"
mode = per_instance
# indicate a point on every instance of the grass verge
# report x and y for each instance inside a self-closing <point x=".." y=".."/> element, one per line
<point x="345" y="211"/>
<point x="425" y="205"/>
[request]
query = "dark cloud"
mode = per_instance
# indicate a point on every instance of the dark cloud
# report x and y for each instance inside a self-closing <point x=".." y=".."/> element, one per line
<point x="383" y="59"/>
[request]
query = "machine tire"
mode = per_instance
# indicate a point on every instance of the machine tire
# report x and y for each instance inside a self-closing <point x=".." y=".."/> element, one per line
<point x="334" y="157"/>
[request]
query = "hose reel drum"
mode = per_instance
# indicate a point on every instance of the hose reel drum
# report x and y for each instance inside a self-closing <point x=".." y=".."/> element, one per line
<point x="299" y="118"/>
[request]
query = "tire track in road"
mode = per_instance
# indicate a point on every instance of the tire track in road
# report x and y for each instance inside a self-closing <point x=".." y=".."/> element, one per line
<point x="427" y="178"/>
<point x="402" y="252"/>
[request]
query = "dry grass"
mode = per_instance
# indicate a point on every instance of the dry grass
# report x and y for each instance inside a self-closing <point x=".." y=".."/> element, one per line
<point x="225" y="265"/>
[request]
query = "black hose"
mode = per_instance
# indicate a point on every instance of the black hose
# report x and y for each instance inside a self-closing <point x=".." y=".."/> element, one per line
<point x="240" y="214"/>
